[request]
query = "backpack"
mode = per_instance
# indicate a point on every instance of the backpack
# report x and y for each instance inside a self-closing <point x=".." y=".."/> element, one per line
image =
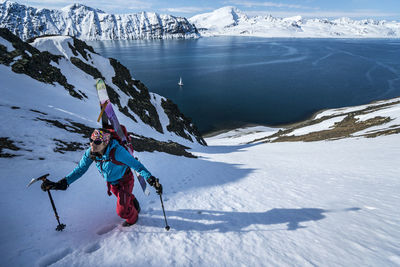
<point x="127" y="145"/>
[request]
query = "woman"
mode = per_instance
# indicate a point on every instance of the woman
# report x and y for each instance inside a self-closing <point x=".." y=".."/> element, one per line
<point x="114" y="163"/>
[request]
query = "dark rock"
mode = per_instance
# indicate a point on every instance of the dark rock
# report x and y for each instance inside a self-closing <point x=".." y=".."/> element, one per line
<point x="37" y="111"/>
<point x="179" y="123"/>
<point x="141" y="143"/>
<point x="6" y="143"/>
<point x="80" y="47"/>
<point x="70" y="126"/>
<point x="86" y="68"/>
<point x="139" y="102"/>
<point x="36" y="65"/>
<point x="63" y="146"/>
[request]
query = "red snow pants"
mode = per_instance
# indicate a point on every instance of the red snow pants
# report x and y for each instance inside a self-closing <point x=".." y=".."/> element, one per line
<point x="123" y="191"/>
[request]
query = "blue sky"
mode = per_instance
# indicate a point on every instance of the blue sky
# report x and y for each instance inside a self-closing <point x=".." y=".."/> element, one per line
<point x="358" y="9"/>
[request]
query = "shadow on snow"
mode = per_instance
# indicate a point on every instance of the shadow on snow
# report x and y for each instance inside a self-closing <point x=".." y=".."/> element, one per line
<point x="228" y="221"/>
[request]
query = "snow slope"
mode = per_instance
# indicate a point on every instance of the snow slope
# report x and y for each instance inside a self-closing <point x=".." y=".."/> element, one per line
<point x="326" y="203"/>
<point x="231" y="21"/>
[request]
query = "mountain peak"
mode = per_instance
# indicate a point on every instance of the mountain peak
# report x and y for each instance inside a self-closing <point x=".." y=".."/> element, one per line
<point x="81" y="7"/>
<point x="230" y="10"/>
<point x="9" y="3"/>
<point x="223" y="17"/>
<point x="231" y="21"/>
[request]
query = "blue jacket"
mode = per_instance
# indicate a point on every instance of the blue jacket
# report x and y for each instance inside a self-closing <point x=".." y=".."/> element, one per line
<point x="110" y="171"/>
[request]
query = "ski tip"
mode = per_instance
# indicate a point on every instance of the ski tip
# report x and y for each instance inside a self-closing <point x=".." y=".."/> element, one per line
<point x="99" y="81"/>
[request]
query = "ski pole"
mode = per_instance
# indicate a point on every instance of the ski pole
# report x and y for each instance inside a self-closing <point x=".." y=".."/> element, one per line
<point x="60" y="226"/>
<point x="165" y="217"/>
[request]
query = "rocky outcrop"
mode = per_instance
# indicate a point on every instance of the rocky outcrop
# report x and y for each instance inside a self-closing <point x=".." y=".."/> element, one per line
<point x="349" y="125"/>
<point x="30" y="61"/>
<point x="139" y="102"/>
<point x="180" y="124"/>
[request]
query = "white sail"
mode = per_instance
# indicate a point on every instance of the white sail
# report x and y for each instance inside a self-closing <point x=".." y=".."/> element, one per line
<point x="180" y="83"/>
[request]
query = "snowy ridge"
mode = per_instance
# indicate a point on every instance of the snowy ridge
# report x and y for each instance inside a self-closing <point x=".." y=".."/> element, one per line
<point x="46" y="103"/>
<point x="231" y="21"/>
<point x="88" y="23"/>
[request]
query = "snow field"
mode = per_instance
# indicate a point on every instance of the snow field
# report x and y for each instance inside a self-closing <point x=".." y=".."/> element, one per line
<point x="288" y="204"/>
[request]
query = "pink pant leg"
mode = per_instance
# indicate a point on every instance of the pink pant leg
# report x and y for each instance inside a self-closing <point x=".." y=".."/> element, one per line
<point x="125" y="207"/>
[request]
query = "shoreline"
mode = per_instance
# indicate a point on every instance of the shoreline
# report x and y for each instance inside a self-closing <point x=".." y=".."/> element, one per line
<point x="284" y="126"/>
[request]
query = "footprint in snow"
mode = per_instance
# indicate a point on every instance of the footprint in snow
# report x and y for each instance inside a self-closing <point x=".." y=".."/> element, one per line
<point x="150" y="209"/>
<point x="92" y="248"/>
<point x="54" y="257"/>
<point x="106" y="229"/>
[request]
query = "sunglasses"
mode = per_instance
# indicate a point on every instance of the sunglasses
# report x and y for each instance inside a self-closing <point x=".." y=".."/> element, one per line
<point x="96" y="142"/>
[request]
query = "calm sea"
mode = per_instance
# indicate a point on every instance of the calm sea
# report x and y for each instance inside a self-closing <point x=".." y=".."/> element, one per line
<point x="234" y="81"/>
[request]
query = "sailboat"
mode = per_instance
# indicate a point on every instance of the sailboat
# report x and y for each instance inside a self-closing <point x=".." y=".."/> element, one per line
<point x="180" y="83"/>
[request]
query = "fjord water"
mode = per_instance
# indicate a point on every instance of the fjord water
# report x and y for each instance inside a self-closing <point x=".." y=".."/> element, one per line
<point x="233" y="81"/>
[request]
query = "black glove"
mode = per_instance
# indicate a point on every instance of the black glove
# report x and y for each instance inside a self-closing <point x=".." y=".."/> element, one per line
<point x="49" y="185"/>
<point x="153" y="181"/>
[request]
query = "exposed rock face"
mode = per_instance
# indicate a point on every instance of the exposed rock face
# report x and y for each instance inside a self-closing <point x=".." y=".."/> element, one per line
<point x="179" y="123"/>
<point x="140" y="102"/>
<point x="92" y="24"/>
<point x="6" y="143"/>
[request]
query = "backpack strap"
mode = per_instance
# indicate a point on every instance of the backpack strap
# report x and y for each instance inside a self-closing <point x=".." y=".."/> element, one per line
<point x="112" y="158"/>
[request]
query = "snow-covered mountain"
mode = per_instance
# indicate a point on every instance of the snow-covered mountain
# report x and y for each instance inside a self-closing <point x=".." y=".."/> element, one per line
<point x="231" y="21"/>
<point x="87" y="23"/>
<point x="49" y="85"/>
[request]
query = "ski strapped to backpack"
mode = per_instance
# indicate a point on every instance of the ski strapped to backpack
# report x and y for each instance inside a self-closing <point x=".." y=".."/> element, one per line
<point x="117" y="130"/>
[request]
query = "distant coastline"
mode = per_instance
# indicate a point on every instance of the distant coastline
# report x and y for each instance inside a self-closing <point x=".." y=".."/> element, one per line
<point x="286" y="126"/>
